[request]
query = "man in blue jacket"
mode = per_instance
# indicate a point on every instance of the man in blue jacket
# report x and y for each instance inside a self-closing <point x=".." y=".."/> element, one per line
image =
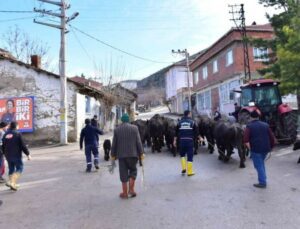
<point x="187" y="132"/>
<point x="260" y="140"/>
<point x="90" y="135"/>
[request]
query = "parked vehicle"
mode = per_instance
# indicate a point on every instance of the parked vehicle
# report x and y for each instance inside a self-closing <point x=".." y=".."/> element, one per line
<point x="264" y="96"/>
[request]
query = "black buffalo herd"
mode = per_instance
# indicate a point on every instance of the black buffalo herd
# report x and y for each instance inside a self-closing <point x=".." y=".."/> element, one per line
<point x="226" y="136"/>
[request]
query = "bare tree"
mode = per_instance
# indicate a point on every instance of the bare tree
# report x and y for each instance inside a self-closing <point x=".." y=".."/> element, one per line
<point x="168" y="104"/>
<point x="151" y="96"/>
<point x="22" y="46"/>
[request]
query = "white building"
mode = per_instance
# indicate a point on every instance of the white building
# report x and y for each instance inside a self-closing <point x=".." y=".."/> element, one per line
<point x="176" y="78"/>
<point x="19" y="80"/>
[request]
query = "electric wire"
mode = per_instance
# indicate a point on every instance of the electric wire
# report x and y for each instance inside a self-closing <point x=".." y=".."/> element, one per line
<point x="16" y="19"/>
<point x="118" y="49"/>
<point x="16" y="11"/>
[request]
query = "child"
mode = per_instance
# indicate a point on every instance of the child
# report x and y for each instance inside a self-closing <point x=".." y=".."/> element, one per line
<point x="13" y="146"/>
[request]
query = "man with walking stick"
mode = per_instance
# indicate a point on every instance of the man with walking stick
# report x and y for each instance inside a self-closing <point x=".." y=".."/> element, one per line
<point x="128" y="149"/>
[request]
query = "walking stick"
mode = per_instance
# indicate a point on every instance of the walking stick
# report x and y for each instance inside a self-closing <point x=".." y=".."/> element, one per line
<point x="112" y="166"/>
<point x="143" y="172"/>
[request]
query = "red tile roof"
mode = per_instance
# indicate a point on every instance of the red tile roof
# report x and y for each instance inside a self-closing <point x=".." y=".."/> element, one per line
<point x="91" y="83"/>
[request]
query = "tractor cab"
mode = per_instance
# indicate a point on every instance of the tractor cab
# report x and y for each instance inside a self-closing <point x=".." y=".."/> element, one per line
<point x="263" y="95"/>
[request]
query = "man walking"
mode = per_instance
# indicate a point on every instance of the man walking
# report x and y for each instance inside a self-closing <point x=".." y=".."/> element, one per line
<point x="186" y="132"/>
<point x="13" y="146"/>
<point x="127" y="147"/>
<point x="237" y="109"/>
<point x="260" y="140"/>
<point x="95" y="123"/>
<point x="89" y="134"/>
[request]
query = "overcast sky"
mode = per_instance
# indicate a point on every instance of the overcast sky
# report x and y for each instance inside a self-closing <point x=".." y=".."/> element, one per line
<point x="146" y="28"/>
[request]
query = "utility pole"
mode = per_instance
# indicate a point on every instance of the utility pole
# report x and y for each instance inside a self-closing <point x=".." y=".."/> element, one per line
<point x="238" y="16"/>
<point x="187" y="56"/>
<point x="62" y="60"/>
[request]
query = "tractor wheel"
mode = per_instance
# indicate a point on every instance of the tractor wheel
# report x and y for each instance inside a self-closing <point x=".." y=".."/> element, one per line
<point x="289" y="122"/>
<point x="244" y="117"/>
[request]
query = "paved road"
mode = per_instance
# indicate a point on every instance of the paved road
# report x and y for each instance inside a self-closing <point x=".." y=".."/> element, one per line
<point x="163" y="110"/>
<point x="57" y="193"/>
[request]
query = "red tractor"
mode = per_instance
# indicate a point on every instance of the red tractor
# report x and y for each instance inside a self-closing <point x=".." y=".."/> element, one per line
<point x="264" y="96"/>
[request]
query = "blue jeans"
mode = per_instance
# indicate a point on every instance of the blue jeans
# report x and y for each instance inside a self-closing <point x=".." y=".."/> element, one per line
<point x="259" y="164"/>
<point x="15" y="166"/>
<point x="186" y="148"/>
<point x="89" y="150"/>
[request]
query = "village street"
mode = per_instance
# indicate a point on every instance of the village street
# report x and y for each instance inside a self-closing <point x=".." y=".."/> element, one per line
<point x="57" y="193"/>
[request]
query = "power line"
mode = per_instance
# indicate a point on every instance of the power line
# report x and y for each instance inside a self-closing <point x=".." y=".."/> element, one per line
<point x="118" y="49"/>
<point x="15" y="11"/>
<point x="16" y="19"/>
<point x="81" y="45"/>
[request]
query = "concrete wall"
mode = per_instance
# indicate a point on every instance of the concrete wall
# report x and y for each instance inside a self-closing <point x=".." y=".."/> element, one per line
<point x="80" y="113"/>
<point x="18" y="80"/>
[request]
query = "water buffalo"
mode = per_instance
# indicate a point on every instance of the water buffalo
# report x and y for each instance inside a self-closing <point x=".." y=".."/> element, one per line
<point x="170" y="134"/>
<point x="296" y="147"/>
<point x="206" y="127"/>
<point x="157" y="130"/>
<point x="229" y="136"/>
<point x="143" y="127"/>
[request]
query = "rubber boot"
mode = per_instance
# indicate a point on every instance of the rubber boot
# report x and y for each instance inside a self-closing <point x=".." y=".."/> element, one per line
<point x="190" y="171"/>
<point x="183" y="165"/>
<point x="124" y="194"/>
<point x="8" y="183"/>
<point x="15" y="177"/>
<point x="131" y="192"/>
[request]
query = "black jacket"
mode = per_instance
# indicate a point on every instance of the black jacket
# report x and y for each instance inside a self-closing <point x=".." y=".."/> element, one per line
<point x="90" y="135"/>
<point x="13" y="145"/>
<point x="95" y="123"/>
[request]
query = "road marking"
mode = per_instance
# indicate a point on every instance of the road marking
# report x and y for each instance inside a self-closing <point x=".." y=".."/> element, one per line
<point x="29" y="184"/>
<point x="284" y="153"/>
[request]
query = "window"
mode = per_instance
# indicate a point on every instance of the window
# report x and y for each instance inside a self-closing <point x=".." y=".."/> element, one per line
<point x="88" y="104"/>
<point x="224" y="93"/>
<point x="229" y="58"/>
<point x="215" y="66"/>
<point x="196" y="77"/>
<point x="246" y="96"/>
<point x="260" y="54"/>
<point x="266" y="96"/>
<point x="225" y="89"/>
<point x="204" y="101"/>
<point x="204" y="72"/>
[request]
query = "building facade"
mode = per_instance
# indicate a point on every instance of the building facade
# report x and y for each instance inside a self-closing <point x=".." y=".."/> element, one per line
<point x="176" y="80"/>
<point x="220" y="69"/>
<point x="23" y="80"/>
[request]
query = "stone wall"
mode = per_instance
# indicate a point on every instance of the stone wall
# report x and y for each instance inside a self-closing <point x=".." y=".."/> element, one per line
<point x="18" y="80"/>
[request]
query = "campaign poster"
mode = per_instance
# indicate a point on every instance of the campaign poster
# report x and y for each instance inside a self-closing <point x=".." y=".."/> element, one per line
<point x="19" y="109"/>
